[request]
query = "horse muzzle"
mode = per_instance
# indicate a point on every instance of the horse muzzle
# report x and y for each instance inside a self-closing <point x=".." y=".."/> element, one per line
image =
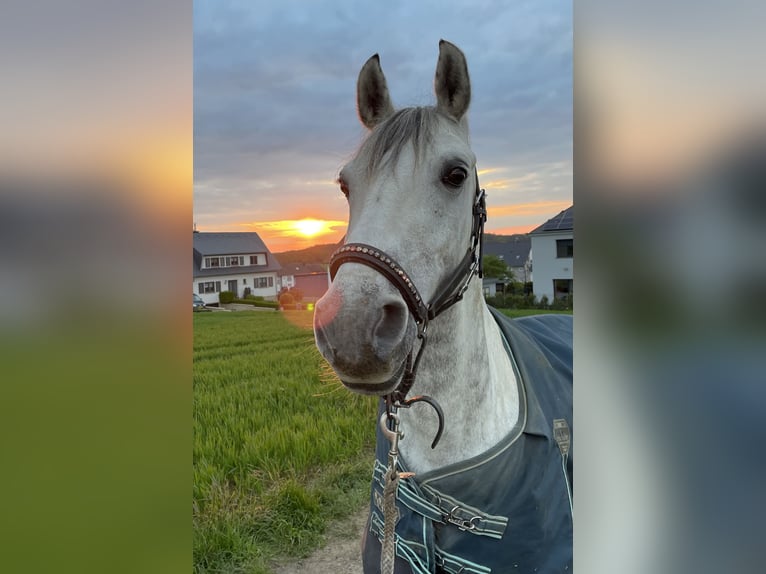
<point x="364" y="330"/>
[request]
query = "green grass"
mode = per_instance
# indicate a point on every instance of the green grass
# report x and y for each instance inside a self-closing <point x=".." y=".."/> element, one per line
<point x="514" y="313"/>
<point x="280" y="447"/>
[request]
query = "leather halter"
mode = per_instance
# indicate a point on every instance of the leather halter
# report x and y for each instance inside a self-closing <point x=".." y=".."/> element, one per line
<point x="449" y="292"/>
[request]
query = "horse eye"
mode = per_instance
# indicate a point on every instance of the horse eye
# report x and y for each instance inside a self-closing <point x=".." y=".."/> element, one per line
<point x="455" y="177"/>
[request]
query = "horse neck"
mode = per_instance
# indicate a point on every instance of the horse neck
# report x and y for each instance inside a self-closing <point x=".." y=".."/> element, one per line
<point x="466" y="369"/>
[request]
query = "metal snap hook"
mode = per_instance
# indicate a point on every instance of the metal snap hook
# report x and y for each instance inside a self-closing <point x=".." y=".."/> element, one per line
<point x="394" y="435"/>
<point x="439" y="413"/>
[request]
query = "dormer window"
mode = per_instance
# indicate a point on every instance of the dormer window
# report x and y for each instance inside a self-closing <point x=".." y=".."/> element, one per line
<point x="231" y="261"/>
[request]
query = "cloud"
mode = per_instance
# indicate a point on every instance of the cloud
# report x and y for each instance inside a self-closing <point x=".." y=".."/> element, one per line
<point x="540" y="208"/>
<point x="274" y="93"/>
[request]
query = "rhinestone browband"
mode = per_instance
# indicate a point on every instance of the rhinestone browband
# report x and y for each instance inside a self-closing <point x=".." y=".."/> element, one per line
<point x="380" y="260"/>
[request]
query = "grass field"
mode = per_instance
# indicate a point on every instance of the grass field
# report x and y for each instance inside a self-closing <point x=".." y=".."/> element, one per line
<point x="514" y="313"/>
<point x="280" y="447"/>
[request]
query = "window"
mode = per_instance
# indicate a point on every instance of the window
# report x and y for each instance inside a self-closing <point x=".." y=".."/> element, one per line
<point x="562" y="288"/>
<point x="259" y="259"/>
<point x="564" y="248"/>
<point x="229" y="261"/>
<point x="209" y="287"/>
<point x="263" y="282"/>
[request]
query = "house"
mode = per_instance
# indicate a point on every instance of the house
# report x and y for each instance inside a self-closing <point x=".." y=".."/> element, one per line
<point x="313" y="279"/>
<point x="233" y="262"/>
<point x="492" y="286"/>
<point x="553" y="256"/>
<point x="514" y="250"/>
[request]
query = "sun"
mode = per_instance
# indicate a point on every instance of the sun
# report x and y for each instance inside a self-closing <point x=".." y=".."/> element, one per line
<point x="309" y="227"/>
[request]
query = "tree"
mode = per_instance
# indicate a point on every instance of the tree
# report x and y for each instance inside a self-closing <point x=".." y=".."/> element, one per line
<point x="496" y="268"/>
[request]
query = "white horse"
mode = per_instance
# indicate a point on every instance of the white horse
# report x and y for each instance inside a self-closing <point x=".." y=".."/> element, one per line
<point x="402" y="279"/>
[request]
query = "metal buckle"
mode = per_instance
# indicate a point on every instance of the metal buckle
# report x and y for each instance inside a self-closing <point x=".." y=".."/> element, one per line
<point x="461" y="523"/>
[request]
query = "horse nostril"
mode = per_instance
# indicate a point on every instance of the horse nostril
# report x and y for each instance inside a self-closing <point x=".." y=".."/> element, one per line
<point x="390" y="328"/>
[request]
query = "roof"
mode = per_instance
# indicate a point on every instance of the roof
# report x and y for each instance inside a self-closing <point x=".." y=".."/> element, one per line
<point x="564" y="221"/>
<point x="512" y="249"/>
<point x="235" y="243"/>
<point x="221" y="243"/>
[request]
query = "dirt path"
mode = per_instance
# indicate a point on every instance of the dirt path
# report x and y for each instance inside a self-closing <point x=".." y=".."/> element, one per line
<point x="341" y="554"/>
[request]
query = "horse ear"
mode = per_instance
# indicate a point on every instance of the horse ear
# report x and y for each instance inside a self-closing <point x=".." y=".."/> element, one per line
<point x="372" y="97"/>
<point x="452" y="84"/>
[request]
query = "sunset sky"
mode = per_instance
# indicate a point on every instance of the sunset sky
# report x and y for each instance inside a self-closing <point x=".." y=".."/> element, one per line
<point x="275" y="105"/>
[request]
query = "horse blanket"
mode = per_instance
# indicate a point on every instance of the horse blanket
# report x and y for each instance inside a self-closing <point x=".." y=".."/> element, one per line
<point x="506" y="510"/>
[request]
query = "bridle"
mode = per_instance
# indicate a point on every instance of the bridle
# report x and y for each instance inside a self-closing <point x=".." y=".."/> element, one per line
<point x="449" y="292"/>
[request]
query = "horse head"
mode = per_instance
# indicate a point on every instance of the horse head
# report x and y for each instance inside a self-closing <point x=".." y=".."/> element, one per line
<point x="410" y="189"/>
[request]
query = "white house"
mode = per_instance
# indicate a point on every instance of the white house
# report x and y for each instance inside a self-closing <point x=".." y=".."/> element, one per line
<point x="491" y="286"/>
<point x="514" y="250"/>
<point x="553" y="256"/>
<point x="233" y="262"/>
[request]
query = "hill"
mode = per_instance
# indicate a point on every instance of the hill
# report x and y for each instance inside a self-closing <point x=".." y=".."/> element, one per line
<point x="315" y="254"/>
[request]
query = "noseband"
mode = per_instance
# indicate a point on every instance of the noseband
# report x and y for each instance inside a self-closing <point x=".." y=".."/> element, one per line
<point x="449" y="292"/>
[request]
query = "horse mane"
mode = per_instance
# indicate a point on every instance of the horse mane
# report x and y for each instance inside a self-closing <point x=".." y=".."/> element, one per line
<point x="386" y="142"/>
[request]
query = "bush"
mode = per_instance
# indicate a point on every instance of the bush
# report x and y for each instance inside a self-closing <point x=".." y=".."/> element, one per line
<point x="517" y="301"/>
<point x="247" y="292"/>
<point x="286" y="299"/>
<point x="562" y="303"/>
<point x="544" y="303"/>
<point x="559" y="304"/>
<point x="258" y="303"/>
<point x="297" y="294"/>
<point x="496" y="301"/>
<point x="225" y="297"/>
<point x="514" y="288"/>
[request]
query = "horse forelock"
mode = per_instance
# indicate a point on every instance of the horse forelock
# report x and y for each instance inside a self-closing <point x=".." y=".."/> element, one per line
<point x="386" y="142"/>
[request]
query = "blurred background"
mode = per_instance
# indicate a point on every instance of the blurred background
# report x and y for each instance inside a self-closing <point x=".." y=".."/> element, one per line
<point x="670" y="186"/>
<point x="95" y="330"/>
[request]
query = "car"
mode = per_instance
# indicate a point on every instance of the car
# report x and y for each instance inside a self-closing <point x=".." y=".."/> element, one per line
<point x="198" y="302"/>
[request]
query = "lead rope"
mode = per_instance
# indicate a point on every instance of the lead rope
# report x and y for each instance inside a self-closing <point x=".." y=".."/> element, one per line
<point x="391" y="484"/>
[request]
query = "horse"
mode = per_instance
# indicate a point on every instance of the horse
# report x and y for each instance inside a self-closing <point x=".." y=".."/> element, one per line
<point x="472" y="474"/>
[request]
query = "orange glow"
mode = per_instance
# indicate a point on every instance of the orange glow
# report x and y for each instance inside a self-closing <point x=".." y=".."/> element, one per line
<point x="513" y="230"/>
<point x="309" y="227"/>
<point x="539" y="208"/>
<point x="289" y="234"/>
